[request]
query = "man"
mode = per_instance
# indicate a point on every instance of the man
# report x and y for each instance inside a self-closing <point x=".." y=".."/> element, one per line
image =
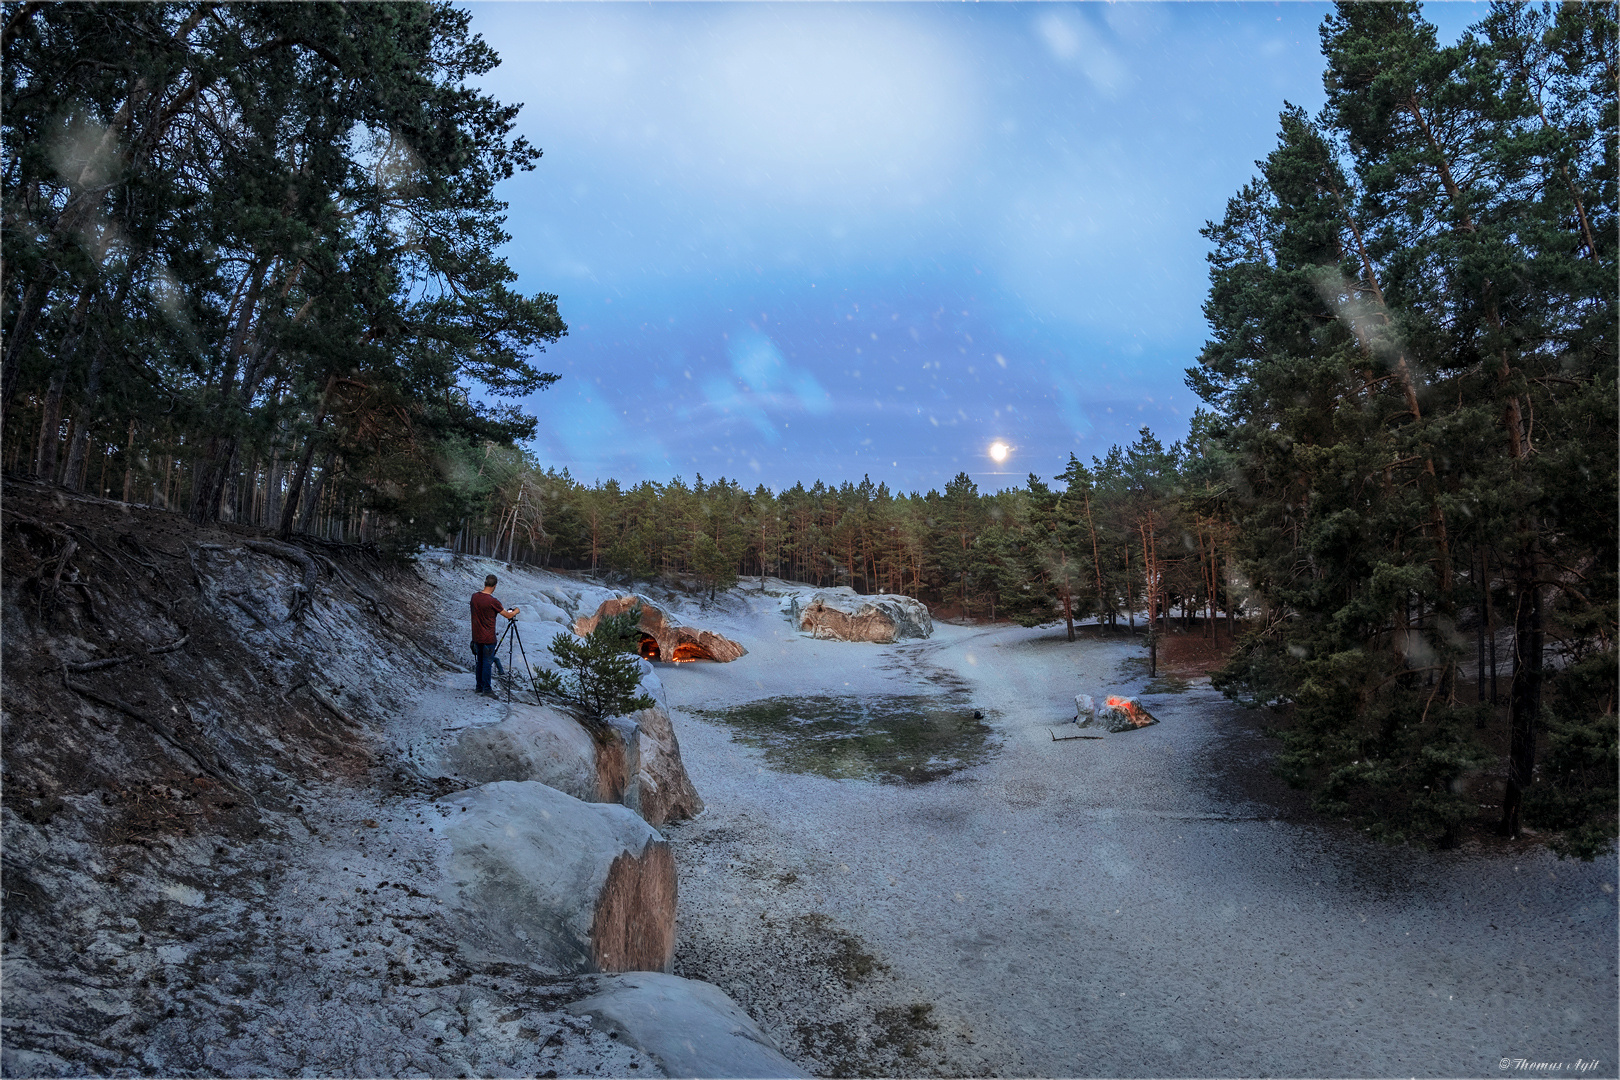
<point x="484" y="609"/>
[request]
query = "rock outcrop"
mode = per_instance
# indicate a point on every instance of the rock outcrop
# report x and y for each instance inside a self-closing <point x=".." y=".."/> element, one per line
<point x="641" y="768"/>
<point x="533" y="743"/>
<point x="842" y="614"/>
<point x="665" y="791"/>
<point x="690" y="1028"/>
<point x="536" y="876"/>
<point x="663" y="637"/>
<point x="1113" y="714"/>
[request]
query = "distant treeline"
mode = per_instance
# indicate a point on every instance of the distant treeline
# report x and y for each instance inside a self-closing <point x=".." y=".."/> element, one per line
<point x="1134" y="532"/>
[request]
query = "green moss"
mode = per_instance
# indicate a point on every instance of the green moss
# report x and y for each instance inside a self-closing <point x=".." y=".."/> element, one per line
<point x="892" y="738"/>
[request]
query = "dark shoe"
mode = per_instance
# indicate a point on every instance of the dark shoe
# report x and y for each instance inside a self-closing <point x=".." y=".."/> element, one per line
<point x="487" y="693"/>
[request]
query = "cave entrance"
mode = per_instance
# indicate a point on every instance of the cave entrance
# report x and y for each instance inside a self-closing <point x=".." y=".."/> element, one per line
<point x="648" y="647"/>
<point x="688" y="651"/>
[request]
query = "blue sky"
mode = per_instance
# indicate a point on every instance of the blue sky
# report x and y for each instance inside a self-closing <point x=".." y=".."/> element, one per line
<point x="821" y="241"/>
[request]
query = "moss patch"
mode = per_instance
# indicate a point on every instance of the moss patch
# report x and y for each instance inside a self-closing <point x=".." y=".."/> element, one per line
<point x="908" y="739"/>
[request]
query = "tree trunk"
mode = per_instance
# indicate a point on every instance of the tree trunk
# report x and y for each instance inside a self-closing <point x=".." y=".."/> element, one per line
<point x="50" y="428"/>
<point x="79" y="445"/>
<point x="1479" y="643"/>
<point x="1525" y="694"/>
<point x="129" y="463"/>
<point x="1490" y="625"/>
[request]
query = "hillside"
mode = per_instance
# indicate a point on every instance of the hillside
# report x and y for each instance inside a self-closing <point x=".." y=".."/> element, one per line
<point x="221" y="853"/>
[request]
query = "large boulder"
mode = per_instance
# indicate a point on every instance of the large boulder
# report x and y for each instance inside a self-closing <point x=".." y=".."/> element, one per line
<point x="842" y="614"/>
<point x="533" y="743"/>
<point x="664" y="789"/>
<point x="663" y="637"/>
<point x="690" y="1028"/>
<point x="537" y="877"/>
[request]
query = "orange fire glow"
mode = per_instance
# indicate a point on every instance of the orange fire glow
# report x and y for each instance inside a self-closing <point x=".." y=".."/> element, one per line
<point x="1138" y="715"/>
<point x="649" y="647"/>
<point x="686" y="652"/>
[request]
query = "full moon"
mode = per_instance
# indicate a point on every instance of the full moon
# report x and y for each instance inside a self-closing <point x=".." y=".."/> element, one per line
<point x="998" y="452"/>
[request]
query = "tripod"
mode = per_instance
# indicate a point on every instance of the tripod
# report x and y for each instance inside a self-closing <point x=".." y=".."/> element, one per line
<point x="512" y="638"/>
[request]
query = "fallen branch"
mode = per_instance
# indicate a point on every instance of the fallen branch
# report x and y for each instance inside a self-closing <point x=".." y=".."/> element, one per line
<point x="61" y="563"/>
<point x="89" y="599"/>
<point x="441" y="661"/>
<point x="331" y="704"/>
<point x="236" y="599"/>
<point x="97" y="665"/>
<point x="171" y="646"/>
<point x="137" y="552"/>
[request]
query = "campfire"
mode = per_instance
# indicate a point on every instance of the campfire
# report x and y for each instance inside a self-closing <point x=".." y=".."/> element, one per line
<point x="1115" y="713"/>
<point x="1137" y="715"/>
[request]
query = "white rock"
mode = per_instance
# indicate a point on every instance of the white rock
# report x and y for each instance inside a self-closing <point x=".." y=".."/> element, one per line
<point x="842" y="614"/>
<point x="536" y="876"/>
<point x="533" y="743"/>
<point x="690" y="1028"/>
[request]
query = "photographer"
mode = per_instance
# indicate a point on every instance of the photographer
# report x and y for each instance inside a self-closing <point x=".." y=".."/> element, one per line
<point x="484" y="609"/>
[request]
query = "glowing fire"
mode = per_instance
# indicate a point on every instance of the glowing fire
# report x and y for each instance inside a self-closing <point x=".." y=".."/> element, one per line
<point x="649" y="647"/>
<point x="686" y="652"/>
<point x="1131" y="709"/>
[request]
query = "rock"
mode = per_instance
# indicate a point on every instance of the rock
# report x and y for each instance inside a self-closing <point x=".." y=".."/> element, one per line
<point x="533" y="743"/>
<point x="1084" y="708"/>
<point x="536" y="876"/>
<point x="1117" y="714"/>
<point x="842" y="614"/>
<point x="665" y="790"/>
<point x="670" y="640"/>
<point x="690" y="1028"/>
<point x="641" y="769"/>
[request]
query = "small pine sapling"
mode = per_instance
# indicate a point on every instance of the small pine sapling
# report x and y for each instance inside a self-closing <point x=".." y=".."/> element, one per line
<point x="601" y="674"/>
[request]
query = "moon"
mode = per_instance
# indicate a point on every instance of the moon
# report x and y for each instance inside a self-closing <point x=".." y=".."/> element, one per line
<point x="999" y="451"/>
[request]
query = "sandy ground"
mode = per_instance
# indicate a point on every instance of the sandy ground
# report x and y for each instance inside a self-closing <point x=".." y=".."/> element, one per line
<point x="1149" y="904"/>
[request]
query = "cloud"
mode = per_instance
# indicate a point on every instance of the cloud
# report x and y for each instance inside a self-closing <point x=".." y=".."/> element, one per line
<point x="1070" y="409"/>
<point x="593" y="437"/>
<point x="723" y="397"/>
<point x="760" y="366"/>
<point x="814" y="105"/>
<point x="1075" y="43"/>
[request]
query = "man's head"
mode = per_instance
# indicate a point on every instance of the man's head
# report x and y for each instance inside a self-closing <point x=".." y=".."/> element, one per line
<point x="489" y="581"/>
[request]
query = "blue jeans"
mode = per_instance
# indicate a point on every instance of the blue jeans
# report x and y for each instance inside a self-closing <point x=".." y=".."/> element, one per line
<point x="486" y="661"/>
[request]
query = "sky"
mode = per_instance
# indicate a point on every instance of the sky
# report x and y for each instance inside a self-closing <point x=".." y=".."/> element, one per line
<point x="835" y="240"/>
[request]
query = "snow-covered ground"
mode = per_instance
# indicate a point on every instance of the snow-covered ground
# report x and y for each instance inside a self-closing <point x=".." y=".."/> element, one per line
<point x="1137" y="905"/>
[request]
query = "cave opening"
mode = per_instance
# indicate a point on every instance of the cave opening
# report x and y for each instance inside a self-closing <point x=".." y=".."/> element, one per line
<point x="648" y="647"/>
<point x="688" y="651"/>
